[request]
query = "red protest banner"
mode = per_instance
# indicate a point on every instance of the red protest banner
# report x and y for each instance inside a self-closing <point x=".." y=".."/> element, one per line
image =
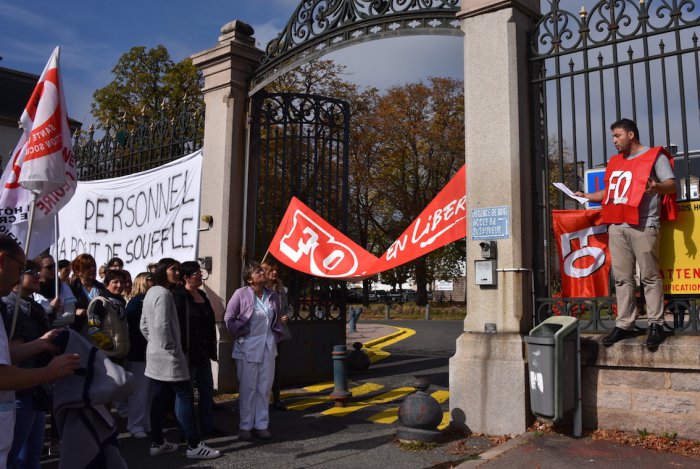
<point x="584" y="258"/>
<point x="443" y="221"/>
<point x="306" y="242"/>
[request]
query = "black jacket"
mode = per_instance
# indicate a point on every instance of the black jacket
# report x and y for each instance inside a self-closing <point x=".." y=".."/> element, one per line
<point x="199" y="343"/>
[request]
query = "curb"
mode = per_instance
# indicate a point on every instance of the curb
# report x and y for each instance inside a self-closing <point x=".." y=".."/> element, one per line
<point x="493" y="453"/>
<point x="375" y="342"/>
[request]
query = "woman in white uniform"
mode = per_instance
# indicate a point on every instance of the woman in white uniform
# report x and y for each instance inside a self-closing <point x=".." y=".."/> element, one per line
<point x="253" y="316"/>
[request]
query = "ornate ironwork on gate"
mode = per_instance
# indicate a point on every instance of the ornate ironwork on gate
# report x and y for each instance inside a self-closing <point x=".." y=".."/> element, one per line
<point x="321" y="26"/>
<point x="590" y="67"/>
<point x="149" y="144"/>
<point x="299" y="147"/>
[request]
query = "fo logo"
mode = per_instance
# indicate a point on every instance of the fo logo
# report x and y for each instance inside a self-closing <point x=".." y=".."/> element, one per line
<point x="595" y="254"/>
<point x="619" y="185"/>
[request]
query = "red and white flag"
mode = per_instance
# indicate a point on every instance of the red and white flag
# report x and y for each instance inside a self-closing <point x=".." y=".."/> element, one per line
<point x="584" y="257"/>
<point x="306" y="242"/>
<point x="42" y="164"/>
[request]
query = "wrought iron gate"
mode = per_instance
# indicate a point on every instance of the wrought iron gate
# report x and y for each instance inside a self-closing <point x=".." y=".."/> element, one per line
<point x="590" y="67"/>
<point x="299" y="148"/>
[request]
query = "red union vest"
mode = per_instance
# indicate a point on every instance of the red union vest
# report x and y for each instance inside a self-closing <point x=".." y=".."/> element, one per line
<point x="625" y="183"/>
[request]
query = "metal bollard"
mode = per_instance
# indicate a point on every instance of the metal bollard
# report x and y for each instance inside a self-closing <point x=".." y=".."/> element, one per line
<point x="427" y="311"/>
<point x="353" y="318"/>
<point x="340" y="375"/>
<point x="386" y="311"/>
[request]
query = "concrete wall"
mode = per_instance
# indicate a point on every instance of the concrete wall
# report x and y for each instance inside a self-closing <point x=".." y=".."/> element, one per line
<point x="626" y="387"/>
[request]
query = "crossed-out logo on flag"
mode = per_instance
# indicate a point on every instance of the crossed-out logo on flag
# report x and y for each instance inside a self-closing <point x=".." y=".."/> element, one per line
<point x="42" y="166"/>
<point x="584" y="258"/>
<point x="307" y="242"/>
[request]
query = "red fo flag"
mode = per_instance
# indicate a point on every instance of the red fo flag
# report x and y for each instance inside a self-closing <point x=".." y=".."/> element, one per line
<point x="306" y="242"/>
<point x="584" y="258"/>
<point x="42" y="162"/>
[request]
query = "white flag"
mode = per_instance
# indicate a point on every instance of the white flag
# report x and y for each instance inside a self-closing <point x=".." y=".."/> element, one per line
<point x="42" y="162"/>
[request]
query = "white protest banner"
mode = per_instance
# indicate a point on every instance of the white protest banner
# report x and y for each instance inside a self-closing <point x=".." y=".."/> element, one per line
<point x="140" y="218"/>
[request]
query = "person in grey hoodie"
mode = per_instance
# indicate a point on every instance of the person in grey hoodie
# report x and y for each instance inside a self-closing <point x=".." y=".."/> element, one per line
<point x="166" y="364"/>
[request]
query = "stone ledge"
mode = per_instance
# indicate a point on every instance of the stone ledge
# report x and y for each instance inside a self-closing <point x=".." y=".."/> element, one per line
<point x="479" y="7"/>
<point x="675" y="353"/>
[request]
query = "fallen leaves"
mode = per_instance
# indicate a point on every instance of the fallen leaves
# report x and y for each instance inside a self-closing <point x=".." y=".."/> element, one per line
<point x="664" y="443"/>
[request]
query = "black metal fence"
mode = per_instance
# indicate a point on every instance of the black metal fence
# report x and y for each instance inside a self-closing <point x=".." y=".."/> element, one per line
<point x="149" y="144"/>
<point x="592" y="65"/>
<point x="299" y="147"/>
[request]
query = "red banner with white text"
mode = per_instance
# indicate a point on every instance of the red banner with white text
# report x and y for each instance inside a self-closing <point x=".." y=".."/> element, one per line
<point x="306" y="242"/>
<point x="443" y="221"/>
<point x="584" y="258"/>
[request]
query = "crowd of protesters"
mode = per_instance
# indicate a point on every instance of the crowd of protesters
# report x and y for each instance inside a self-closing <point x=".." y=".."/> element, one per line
<point x="160" y="328"/>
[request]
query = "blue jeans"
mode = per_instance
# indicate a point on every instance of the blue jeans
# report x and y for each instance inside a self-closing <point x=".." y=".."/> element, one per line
<point x="28" y="436"/>
<point x="184" y="409"/>
<point x="204" y="382"/>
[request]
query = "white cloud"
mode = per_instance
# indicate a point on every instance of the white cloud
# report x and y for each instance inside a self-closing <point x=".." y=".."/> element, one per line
<point x="395" y="61"/>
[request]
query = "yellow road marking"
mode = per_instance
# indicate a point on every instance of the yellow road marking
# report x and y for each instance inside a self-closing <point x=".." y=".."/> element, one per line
<point x="380" y="399"/>
<point x="356" y="391"/>
<point x="445" y="421"/>
<point x="365" y="388"/>
<point x="319" y="387"/>
<point x="386" y="416"/>
<point x="389" y="416"/>
<point x="375" y="353"/>
<point x="441" y="395"/>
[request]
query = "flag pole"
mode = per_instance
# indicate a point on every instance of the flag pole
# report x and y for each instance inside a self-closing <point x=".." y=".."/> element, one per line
<point x="55" y="253"/>
<point x="26" y="255"/>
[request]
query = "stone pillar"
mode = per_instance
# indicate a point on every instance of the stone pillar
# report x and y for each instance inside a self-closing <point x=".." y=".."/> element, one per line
<point x="227" y="68"/>
<point x="488" y="373"/>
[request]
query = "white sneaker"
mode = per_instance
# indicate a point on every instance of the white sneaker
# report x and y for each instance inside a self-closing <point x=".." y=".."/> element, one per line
<point x="202" y="451"/>
<point x="166" y="447"/>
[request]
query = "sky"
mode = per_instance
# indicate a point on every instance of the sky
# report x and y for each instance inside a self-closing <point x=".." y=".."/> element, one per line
<point x="94" y="34"/>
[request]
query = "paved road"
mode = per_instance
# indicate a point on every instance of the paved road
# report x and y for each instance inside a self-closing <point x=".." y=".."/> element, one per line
<point x="424" y="354"/>
<point x="313" y="437"/>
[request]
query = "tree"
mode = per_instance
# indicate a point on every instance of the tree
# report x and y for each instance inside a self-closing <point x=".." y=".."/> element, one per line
<point x="421" y="146"/>
<point x="148" y="84"/>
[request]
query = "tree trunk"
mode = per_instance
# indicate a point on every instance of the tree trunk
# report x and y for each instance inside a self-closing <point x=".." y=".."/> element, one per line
<point x="421" y="281"/>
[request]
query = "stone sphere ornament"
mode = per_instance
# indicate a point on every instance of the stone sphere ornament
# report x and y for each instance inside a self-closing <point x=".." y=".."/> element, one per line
<point x="420" y="414"/>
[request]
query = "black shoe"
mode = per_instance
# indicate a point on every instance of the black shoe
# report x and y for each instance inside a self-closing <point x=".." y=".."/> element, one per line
<point x="617" y="335"/>
<point x="278" y="405"/>
<point x="655" y="337"/>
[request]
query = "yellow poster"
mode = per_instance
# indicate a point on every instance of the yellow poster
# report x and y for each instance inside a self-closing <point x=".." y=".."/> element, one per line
<point x="678" y="254"/>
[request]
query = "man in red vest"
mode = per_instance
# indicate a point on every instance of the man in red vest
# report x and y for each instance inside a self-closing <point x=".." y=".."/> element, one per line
<point x="639" y="191"/>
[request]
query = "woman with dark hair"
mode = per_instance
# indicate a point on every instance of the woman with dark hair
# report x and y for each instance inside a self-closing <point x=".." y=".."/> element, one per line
<point x="139" y="401"/>
<point x="85" y="287"/>
<point x="107" y="325"/>
<point x="33" y="403"/>
<point x="253" y="317"/>
<point x="198" y="325"/>
<point x="166" y="364"/>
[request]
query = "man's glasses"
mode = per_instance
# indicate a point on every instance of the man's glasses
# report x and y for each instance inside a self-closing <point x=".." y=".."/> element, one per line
<point x="30" y="272"/>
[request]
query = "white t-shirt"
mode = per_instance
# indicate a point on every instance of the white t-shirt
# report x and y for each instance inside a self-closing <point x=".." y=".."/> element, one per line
<point x="7" y="403"/>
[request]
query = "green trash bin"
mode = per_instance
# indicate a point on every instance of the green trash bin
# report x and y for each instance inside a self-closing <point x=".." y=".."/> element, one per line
<point x="552" y="355"/>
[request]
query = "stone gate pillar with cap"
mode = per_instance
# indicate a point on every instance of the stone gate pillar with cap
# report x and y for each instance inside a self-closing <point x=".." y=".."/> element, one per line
<point x="488" y="382"/>
<point x="227" y="68"/>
